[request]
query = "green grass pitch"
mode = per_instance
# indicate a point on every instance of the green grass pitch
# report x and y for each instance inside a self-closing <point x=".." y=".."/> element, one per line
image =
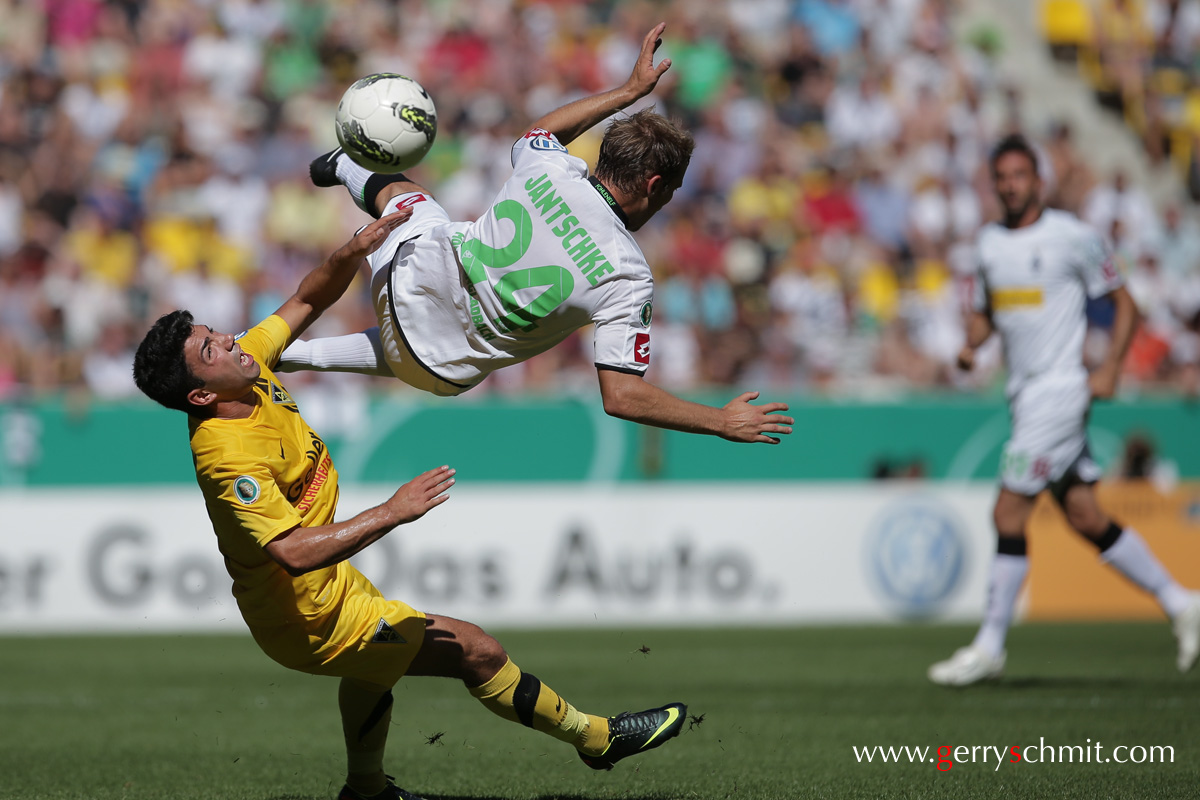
<point x="781" y="710"/>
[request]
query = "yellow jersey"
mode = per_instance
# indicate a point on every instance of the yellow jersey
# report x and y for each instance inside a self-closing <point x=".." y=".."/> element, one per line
<point x="262" y="476"/>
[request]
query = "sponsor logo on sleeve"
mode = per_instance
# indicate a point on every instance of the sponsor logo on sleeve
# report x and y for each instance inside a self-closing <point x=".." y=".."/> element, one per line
<point x="386" y="634"/>
<point x="641" y="348"/>
<point x="535" y="132"/>
<point x="546" y="143"/>
<point x="246" y="490"/>
<point x="646" y="314"/>
<point x="240" y="335"/>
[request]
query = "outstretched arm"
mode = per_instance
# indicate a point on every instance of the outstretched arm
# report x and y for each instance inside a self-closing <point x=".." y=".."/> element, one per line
<point x="302" y="550"/>
<point x="633" y="398"/>
<point x="569" y="121"/>
<point x="322" y="287"/>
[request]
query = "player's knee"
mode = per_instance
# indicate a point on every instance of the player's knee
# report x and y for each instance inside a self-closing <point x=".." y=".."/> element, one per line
<point x="1008" y="523"/>
<point x="483" y="655"/>
<point x="1011" y="513"/>
<point x="1083" y="513"/>
<point x="1092" y="523"/>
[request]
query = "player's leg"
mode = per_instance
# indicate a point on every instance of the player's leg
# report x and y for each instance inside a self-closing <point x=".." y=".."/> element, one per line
<point x="1039" y="426"/>
<point x="379" y="351"/>
<point x="371" y="191"/>
<point x="461" y="650"/>
<point x="361" y="353"/>
<point x="984" y="658"/>
<point x="1048" y="435"/>
<point x="1009" y="568"/>
<point x="456" y="649"/>
<point x="366" y="710"/>
<point x="1123" y="548"/>
<point x="368" y="644"/>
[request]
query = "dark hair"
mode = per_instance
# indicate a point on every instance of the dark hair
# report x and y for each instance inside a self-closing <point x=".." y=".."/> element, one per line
<point x="1014" y="143"/>
<point x="159" y="367"/>
<point x="640" y="146"/>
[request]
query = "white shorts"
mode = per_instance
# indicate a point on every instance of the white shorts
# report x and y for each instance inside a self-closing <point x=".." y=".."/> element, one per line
<point x="426" y="216"/>
<point x="1049" y="435"/>
<point x="400" y="245"/>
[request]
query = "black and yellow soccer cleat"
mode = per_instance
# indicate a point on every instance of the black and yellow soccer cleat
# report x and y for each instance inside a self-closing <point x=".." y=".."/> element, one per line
<point x="390" y="792"/>
<point x="636" y="732"/>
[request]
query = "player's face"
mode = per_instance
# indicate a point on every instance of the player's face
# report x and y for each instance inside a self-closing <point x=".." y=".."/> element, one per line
<point x="215" y="358"/>
<point x="1017" y="184"/>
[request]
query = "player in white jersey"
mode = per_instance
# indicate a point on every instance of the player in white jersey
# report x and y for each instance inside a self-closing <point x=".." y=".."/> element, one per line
<point x="456" y="301"/>
<point x="1036" y="271"/>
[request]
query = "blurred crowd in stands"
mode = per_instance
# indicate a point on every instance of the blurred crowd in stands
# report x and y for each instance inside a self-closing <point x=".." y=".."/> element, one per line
<point x="153" y="155"/>
<point x="1142" y="59"/>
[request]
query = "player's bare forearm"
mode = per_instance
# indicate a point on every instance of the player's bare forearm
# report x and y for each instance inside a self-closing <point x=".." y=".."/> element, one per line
<point x="302" y="550"/>
<point x="1125" y="322"/>
<point x="1103" y="380"/>
<point x="632" y="398"/>
<point x="571" y="120"/>
<point x="979" y="329"/>
<point x="322" y="287"/>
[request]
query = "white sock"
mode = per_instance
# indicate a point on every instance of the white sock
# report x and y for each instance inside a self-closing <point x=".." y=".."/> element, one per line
<point x="1008" y="573"/>
<point x="355" y="352"/>
<point x="354" y="178"/>
<point x="1133" y="559"/>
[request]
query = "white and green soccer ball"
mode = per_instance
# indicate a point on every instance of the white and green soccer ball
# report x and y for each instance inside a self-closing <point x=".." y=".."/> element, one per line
<point x="386" y="122"/>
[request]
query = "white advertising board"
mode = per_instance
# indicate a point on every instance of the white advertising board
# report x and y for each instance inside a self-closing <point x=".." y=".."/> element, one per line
<point x="129" y="559"/>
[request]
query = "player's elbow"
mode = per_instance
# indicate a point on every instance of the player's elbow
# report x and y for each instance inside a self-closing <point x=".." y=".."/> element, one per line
<point x="294" y="567"/>
<point x="620" y="397"/>
<point x="295" y="561"/>
<point x="296" y="570"/>
<point x="614" y="405"/>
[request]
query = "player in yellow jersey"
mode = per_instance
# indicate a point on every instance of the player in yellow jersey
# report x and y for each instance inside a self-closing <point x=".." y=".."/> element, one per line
<point x="271" y="491"/>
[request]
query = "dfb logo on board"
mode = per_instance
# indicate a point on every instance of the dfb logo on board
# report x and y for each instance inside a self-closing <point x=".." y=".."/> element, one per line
<point x="915" y="553"/>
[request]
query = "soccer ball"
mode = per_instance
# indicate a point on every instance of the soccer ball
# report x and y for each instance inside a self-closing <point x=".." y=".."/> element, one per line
<point x="386" y="122"/>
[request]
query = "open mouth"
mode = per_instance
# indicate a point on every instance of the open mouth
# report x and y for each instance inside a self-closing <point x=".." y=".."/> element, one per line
<point x="245" y="359"/>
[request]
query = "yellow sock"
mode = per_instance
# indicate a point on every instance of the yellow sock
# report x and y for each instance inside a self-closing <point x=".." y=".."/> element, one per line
<point x="520" y="697"/>
<point x="366" y="713"/>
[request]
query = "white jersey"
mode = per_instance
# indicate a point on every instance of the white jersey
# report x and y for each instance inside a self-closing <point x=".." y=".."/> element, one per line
<point x="1035" y="282"/>
<point x="551" y="255"/>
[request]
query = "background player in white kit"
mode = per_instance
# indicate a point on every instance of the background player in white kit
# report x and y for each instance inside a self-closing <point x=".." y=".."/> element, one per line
<point x="1036" y="271"/>
<point x="456" y="301"/>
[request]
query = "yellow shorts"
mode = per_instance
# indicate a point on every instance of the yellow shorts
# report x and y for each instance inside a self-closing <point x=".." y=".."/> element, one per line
<point x="368" y="637"/>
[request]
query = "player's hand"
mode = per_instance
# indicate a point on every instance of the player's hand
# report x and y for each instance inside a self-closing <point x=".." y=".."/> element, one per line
<point x="369" y="239"/>
<point x="966" y="359"/>
<point x="424" y="492"/>
<point x="750" y="423"/>
<point x="1103" y="382"/>
<point x="645" y="75"/>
